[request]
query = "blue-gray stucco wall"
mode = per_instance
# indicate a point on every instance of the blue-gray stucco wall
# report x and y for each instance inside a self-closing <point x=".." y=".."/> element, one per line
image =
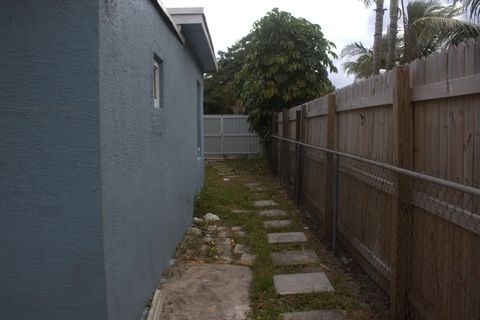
<point x="96" y="185"/>
<point x="150" y="169"/>
<point x="51" y="253"/>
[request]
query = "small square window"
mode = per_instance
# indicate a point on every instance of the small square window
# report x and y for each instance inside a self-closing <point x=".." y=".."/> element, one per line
<point x="157" y="84"/>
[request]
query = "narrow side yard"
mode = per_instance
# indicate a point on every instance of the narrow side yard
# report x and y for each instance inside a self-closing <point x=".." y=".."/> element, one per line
<point x="293" y="275"/>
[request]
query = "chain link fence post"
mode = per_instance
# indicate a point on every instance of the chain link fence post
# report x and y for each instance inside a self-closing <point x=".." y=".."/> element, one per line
<point x="335" y="184"/>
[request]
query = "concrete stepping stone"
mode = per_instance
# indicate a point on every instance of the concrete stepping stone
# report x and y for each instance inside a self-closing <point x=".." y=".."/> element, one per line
<point x="272" y="213"/>
<point x="265" y="203"/>
<point x="246" y="259"/>
<point x="294" y="257"/>
<point x="208" y="239"/>
<point x="223" y="246"/>
<point x="240" y="234"/>
<point x="299" y="283"/>
<point x="286" y="237"/>
<point x="223" y="234"/>
<point x="277" y="224"/>
<point x="316" y="315"/>
<point x="240" y="211"/>
<point x="252" y="185"/>
<point x="240" y="249"/>
<point x="224" y="292"/>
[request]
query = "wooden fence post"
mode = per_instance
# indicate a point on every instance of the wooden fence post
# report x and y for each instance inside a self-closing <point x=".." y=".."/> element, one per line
<point x="329" y="169"/>
<point x="402" y="209"/>
<point x="286" y="146"/>
<point x="301" y="121"/>
<point x="273" y="145"/>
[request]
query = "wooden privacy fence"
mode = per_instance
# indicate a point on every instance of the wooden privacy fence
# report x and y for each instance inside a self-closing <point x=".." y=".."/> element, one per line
<point x="416" y="235"/>
<point x="229" y="136"/>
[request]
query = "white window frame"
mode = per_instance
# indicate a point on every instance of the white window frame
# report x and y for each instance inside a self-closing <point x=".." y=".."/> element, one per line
<point x="156" y="84"/>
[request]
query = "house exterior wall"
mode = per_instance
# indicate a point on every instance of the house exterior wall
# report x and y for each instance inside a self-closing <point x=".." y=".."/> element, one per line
<point x="150" y="169"/>
<point x="51" y="253"/>
<point x="96" y="185"/>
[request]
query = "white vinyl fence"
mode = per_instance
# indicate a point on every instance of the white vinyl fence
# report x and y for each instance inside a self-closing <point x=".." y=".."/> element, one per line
<point x="228" y="136"/>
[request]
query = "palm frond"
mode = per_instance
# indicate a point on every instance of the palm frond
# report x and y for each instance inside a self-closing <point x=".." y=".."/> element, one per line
<point x="354" y="50"/>
<point x="367" y="3"/>
<point x="472" y="7"/>
<point x="445" y="30"/>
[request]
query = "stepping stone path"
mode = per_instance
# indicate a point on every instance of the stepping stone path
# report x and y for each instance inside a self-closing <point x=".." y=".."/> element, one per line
<point x="286" y="237"/>
<point x="252" y="185"/>
<point x="265" y="203"/>
<point x="272" y="224"/>
<point x="241" y="211"/>
<point x="217" y="239"/>
<point x="225" y="171"/>
<point x="255" y="186"/>
<point x="295" y="257"/>
<point x="224" y="287"/>
<point x="297" y="283"/>
<point x="316" y="315"/>
<point x="272" y="213"/>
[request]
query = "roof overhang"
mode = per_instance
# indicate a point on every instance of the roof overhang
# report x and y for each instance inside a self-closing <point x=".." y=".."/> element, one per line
<point x="168" y="19"/>
<point x="193" y="26"/>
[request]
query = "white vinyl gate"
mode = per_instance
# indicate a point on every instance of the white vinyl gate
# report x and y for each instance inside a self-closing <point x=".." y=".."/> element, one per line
<point x="228" y="136"/>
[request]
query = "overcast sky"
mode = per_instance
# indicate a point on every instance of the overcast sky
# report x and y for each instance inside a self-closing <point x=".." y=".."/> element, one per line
<point x="342" y="21"/>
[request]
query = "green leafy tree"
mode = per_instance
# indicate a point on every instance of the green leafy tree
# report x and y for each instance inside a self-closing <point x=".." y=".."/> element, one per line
<point x="220" y="90"/>
<point x="287" y="60"/>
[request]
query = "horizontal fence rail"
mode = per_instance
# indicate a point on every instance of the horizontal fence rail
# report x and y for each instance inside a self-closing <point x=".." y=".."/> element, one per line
<point x="412" y="174"/>
<point x="388" y="169"/>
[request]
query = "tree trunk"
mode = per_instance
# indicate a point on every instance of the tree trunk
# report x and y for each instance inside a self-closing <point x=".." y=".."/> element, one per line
<point x="406" y="31"/>
<point x="392" y="34"/>
<point x="377" y="38"/>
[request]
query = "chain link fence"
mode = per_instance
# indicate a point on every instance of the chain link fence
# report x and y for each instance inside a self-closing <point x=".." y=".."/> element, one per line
<point x="416" y="236"/>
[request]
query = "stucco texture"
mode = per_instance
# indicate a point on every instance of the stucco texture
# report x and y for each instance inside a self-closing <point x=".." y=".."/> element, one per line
<point x="51" y="254"/>
<point x="96" y="185"/>
<point x="150" y="170"/>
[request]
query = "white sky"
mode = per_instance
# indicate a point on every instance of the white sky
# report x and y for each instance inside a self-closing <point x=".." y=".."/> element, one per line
<point x="342" y="21"/>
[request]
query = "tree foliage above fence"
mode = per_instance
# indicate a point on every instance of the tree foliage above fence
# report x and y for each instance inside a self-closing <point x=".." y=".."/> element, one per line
<point x="283" y="61"/>
<point x="286" y="63"/>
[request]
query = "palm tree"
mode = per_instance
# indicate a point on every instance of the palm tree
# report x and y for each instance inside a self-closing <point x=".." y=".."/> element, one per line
<point x="429" y="26"/>
<point x="360" y="58"/>
<point x="392" y="34"/>
<point x="472" y="7"/>
<point x="377" y="37"/>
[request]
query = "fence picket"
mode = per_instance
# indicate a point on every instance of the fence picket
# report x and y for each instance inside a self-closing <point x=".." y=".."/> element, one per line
<point x="423" y="249"/>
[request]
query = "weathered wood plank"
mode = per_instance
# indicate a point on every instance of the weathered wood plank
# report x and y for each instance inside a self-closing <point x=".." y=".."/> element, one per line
<point x="447" y="89"/>
<point x="366" y="102"/>
<point x="317" y="107"/>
